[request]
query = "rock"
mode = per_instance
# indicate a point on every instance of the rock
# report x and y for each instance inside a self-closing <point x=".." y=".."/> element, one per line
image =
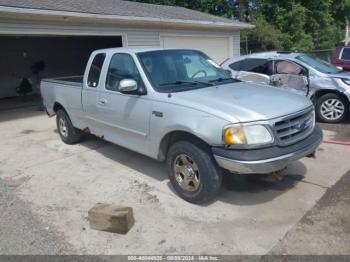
<point x="111" y="218"/>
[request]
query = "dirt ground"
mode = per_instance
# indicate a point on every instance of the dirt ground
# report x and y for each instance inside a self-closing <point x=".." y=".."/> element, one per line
<point x="325" y="228"/>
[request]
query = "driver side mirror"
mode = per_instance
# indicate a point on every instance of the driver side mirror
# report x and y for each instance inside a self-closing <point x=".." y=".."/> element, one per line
<point x="127" y="86"/>
<point x="130" y="86"/>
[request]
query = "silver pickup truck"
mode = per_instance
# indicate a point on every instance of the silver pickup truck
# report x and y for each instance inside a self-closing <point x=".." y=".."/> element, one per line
<point x="179" y="106"/>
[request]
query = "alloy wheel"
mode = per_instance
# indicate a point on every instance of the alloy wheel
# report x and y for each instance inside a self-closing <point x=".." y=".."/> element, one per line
<point x="62" y="126"/>
<point x="186" y="173"/>
<point x="332" y="109"/>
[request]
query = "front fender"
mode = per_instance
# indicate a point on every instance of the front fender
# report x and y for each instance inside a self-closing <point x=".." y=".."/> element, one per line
<point x="178" y="118"/>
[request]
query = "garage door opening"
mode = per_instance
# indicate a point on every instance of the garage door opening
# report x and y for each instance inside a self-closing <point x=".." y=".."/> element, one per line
<point x="27" y="59"/>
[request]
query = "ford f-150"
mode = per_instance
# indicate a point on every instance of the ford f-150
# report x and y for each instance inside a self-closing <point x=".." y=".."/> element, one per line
<point x="179" y="106"/>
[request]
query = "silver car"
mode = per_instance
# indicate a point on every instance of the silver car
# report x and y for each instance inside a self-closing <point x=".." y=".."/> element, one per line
<point x="327" y="86"/>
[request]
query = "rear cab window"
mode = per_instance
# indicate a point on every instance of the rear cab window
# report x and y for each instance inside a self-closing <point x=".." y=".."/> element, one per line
<point x="95" y="70"/>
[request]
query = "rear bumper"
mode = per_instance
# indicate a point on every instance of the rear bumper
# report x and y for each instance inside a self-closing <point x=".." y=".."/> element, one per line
<point x="266" y="160"/>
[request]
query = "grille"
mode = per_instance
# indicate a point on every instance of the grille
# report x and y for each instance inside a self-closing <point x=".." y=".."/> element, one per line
<point x="295" y="128"/>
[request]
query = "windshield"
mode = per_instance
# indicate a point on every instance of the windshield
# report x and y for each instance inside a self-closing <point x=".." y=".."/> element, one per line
<point x="319" y="64"/>
<point x="181" y="70"/>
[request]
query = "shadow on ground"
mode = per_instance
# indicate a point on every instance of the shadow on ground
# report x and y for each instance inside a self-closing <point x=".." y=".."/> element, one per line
<point x="257" y="188"/>
<point x="236" y="189"/>
<point x="20" y="113"/>
<point x="140" y="163"/>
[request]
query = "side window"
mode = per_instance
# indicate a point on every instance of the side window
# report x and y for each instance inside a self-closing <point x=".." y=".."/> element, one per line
<point x="236" y="66"/>
<point x="95" y="70"/>
<point x="345" y="55"/>
<point x="122" y="66"/>
<point x="286" y="67"/>
<point x="260" y="66"/>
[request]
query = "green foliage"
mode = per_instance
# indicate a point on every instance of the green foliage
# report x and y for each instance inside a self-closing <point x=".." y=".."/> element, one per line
<point x="263" y="37"/>
<point x="288" y="24"/>
<point x="306" y="24"/>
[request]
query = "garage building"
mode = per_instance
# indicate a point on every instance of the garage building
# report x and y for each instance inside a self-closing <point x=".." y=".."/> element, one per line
<point x="52" y="38"/>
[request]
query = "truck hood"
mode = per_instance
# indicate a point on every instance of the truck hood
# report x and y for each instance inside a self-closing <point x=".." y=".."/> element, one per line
<point x="243" y="102"/>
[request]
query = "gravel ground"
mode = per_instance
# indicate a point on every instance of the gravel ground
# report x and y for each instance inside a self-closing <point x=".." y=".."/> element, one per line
<point x="17" y="219"/>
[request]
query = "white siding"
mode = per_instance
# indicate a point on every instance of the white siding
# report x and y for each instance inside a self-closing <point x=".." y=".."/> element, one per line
<point x="133" y="37"/>
<point x="236" y="44"/>
<point x="218" y="45"/>
<point x="143" y="38"/>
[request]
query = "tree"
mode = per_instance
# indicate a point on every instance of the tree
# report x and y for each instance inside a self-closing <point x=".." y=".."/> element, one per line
<point x="263" y="37"/>
<point x="294" y="24"/>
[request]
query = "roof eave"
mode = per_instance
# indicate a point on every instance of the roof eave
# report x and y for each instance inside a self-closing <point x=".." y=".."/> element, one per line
<point x="67" y="16"/>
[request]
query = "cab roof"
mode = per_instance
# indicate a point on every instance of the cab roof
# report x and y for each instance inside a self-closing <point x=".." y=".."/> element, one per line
<point x="274" y="54"/>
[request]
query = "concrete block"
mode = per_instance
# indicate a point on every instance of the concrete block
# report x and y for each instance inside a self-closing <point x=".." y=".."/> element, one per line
<point x="111" y="218"/>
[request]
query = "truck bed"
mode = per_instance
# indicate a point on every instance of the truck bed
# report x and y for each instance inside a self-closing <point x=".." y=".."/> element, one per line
<point x="64" y="90"/>
<point x="67" y="80"/>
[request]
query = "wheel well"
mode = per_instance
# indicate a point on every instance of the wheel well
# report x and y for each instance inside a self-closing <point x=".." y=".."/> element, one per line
<point x="176" y="136"/>
<point x="57" y="106"/>
<point x="320" y="93"/>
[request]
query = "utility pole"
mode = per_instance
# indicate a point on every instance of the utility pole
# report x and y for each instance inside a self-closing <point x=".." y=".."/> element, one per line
<point x="242" y="9"/>
<point x="347" y="32"/>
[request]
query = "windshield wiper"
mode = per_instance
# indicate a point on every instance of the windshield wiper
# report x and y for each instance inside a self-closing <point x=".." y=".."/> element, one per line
<point x="222" y="79"/>
<point x="178" y="83"/>
<point x="182" y="82"/>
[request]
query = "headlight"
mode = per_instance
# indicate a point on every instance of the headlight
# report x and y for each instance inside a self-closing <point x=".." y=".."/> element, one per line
<point x="346" y="81"/>
<point x="247" y="135"/>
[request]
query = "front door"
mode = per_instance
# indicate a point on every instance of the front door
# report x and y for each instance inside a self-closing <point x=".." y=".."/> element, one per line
<point x="124" y="117"/>
<point x="290" y="76"/>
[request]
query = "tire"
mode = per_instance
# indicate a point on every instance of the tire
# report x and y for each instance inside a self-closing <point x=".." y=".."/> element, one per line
<point x="68" y="133"/>
<point x="204" y="176"/>
<point x="332" y="108"/>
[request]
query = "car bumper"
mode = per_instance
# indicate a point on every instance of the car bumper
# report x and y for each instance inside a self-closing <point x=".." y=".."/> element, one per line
<point x="266" y="160"/>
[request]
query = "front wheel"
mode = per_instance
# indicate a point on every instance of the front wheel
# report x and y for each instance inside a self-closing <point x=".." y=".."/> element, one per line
<point x="332" y="108"/>
<point x="193" y="172"/>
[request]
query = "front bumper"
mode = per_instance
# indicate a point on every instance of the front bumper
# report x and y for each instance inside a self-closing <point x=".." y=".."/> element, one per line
<point x="266" y="160"/>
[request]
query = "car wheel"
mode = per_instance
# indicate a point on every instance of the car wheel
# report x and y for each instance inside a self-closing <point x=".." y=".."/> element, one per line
<point x="193" y="172"/>
<point x="68" y="133"/>
<point x="332" y="108"/>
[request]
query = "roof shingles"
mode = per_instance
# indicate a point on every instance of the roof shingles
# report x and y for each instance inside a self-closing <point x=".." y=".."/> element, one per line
<point x="119" y="8"/>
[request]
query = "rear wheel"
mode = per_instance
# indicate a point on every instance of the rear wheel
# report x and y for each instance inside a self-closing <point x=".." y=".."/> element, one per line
<point x="68" y="133"/>
<point x="193" y="172"/>
<point x="332" y="108"/>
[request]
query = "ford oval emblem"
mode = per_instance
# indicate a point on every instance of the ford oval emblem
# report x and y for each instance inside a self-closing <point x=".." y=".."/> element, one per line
<point x="303" y="125"/>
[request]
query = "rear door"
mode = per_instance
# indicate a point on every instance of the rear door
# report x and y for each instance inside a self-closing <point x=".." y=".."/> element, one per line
<point x="91" y="88"/>
<point x="290" y="76"/>
<point x="255" y="70"/>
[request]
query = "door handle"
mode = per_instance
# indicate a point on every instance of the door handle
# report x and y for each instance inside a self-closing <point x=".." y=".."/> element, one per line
<point x="102" y="102"/>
